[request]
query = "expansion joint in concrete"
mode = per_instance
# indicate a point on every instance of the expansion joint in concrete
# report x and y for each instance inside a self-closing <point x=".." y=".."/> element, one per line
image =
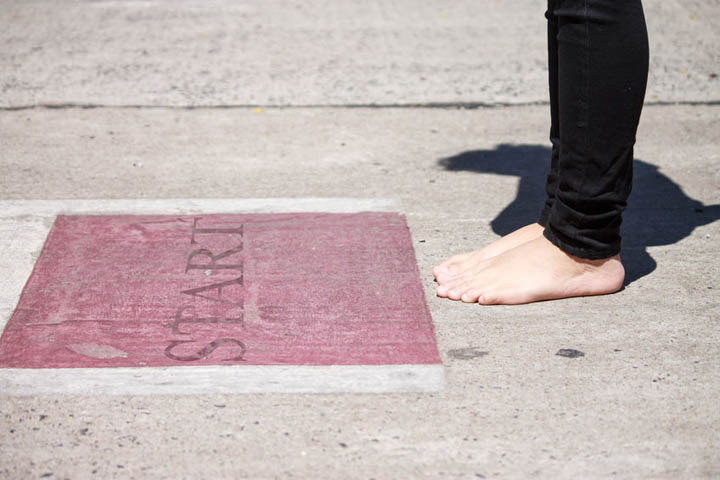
<point x="426" y="105"/>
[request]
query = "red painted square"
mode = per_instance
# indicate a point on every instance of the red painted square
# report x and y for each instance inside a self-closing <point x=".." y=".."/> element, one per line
<point x="240" y="289"/>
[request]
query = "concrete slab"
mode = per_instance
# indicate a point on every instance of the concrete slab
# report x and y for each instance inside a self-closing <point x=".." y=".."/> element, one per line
<point x="641" y="402"/>
<point x="246" y="290"/>
<point x="284" y="52"/>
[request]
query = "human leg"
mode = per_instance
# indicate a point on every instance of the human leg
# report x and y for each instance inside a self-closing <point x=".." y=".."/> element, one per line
<point x="598" y="69"/>
<point x="602" y="58"/>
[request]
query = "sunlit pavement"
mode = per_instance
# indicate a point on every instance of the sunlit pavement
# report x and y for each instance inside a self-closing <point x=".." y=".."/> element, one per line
<point x="431" y="111"/>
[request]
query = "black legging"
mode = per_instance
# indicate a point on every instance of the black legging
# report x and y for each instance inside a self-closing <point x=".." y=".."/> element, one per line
<point x="598" y="63"/>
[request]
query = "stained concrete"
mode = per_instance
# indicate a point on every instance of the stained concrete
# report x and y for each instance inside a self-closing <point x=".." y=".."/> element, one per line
<point x="640" y="403"/>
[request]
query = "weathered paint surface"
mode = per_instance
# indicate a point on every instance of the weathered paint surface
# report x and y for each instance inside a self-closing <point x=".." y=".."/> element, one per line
<point x="227" y="289"/>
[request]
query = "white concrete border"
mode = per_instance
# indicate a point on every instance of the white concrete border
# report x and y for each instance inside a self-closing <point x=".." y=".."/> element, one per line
<point x="188" y="206"/>
<point x="218" y="379"/>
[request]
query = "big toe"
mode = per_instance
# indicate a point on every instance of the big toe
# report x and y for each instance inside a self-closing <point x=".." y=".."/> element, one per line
<point x="447" y="274"/>
<point x="448" y="265"/>
<point x="439" y="270"/>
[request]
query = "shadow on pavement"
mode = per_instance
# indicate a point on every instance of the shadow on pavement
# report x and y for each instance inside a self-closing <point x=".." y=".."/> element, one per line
<point x="658" y="213"/>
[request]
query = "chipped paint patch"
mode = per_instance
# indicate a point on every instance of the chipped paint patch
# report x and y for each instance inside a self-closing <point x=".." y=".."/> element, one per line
<point x="94" y="350"/>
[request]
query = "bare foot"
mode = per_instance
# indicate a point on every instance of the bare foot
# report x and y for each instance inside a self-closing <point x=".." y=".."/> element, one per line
<point x="460" y="263"/>
<point x="536" y="270"/>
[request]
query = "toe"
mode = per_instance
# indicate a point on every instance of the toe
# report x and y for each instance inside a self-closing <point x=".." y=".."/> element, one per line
<point x="441" y="291"/>
<point x="470" y="296"/>
<point x="453" y="288"/>
<point x="454" y="283"/>
<point x="449" y="265"/>
<point x="454" y="272"/>
<point x="441" y="272"/>
<point x="486" y="299"/>
<point x="490" y="297"/>
<point x="457" y="292"/>
<point x="444" y="277"/>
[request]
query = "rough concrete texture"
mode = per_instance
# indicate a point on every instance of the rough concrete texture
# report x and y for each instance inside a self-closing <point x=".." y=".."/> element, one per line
<point x="641" y="402"/>
<point x="288" y="52"/>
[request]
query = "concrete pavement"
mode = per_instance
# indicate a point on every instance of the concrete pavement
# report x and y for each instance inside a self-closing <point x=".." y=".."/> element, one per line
<point x="285" y="52"/>
<point x="640" y="403"/>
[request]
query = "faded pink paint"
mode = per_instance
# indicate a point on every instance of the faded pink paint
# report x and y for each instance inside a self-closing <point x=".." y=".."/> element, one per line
<point x="262" y="289"/>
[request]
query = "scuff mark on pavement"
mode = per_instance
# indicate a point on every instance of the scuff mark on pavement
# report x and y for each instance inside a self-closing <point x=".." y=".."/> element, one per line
<point x="467" y="353"/>
<point x="570" y="353"/>
<point x="95" y="350"/>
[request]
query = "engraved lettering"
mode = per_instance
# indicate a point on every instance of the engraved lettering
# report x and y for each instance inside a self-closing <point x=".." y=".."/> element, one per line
<point x="213" y="265"/>
<point x="196" y="230"/>
<point x="180" y="319"/>
<point x="218" y="287"/>
<point x="229" y="306"/>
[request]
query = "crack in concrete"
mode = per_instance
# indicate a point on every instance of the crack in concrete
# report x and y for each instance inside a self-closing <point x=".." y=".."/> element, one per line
<point x="419" y="105"/>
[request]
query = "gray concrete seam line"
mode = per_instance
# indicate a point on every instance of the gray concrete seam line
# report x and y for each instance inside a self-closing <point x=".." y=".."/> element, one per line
<point x="430" y="106"/>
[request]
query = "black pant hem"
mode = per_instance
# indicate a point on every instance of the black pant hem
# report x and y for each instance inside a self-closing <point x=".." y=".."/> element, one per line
<point x="576" y="251"/>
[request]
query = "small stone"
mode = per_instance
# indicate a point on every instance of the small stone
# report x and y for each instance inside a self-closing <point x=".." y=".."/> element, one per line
<point x="570" y="353"/>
